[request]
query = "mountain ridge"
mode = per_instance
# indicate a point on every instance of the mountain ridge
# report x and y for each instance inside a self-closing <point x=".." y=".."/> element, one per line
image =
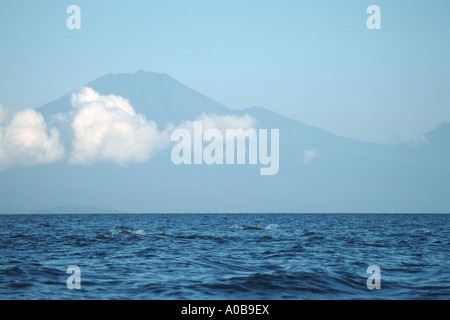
<point x="157" y="96"/>
<point x="319" y="171"/>
<point x="171" y="108"/>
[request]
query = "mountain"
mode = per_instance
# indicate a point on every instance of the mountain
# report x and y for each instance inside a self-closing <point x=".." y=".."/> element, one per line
<point x="155" y="95"/>
<point x="439" y="136"/>
<point x="318" y="171"/>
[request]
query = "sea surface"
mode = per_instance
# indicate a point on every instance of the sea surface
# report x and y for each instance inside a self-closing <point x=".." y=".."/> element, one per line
<point x="215" y="256"/>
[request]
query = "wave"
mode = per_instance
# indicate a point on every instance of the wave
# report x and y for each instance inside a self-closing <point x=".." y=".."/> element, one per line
<point x="288" y="285"/>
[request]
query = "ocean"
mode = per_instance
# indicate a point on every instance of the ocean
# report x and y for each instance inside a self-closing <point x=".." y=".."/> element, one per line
<point x="224" y="257"/>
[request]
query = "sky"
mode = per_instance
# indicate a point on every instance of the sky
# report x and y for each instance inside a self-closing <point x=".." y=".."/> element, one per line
<point x="312" y="61"/>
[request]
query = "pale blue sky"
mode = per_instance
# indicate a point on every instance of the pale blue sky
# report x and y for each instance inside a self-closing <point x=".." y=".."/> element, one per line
<point x="313" y="61"/>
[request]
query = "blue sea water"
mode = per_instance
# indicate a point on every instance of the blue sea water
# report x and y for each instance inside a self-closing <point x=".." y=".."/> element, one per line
<point x="215" y="256"/>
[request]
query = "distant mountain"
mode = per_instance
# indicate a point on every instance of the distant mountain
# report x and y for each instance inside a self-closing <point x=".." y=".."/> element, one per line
<point x="319" y="171"/>
<point x="75" y="210"/>
<point x="439" y="136"/>
<point x="155" y="95"/>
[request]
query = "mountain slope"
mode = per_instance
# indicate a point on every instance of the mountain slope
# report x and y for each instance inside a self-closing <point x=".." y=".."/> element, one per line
<point x="319" y="171"/>
<point x="440" y="136"/>
<point x="157" y="96"/>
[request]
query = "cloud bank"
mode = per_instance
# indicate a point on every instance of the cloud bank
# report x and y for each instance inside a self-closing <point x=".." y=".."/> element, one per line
<point x="26" y="141"/>
<point x="103" y="128"/>
<point x="106" y="128"/>
<point x="412" y="139"/>
<point x="221" y="122"/>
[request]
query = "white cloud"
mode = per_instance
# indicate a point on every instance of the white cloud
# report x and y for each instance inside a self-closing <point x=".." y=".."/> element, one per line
<point x="227" y="122"/>
<point x="26" y="141"/>
<point x="413" y="139"/>
<point x="309" y="155"/>
<point x="106" y="128"/>
<point x="99" y="128"/>
<point x="221" y="122"/>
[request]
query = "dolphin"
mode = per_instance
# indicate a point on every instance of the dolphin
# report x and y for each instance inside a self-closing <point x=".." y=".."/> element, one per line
<point x="109" y="234"/>
<point x="254" y="228"/>
<point x="163" y="233"/>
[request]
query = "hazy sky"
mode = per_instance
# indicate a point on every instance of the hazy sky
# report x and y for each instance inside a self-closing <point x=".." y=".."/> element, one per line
<point x="314" y="61"/>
